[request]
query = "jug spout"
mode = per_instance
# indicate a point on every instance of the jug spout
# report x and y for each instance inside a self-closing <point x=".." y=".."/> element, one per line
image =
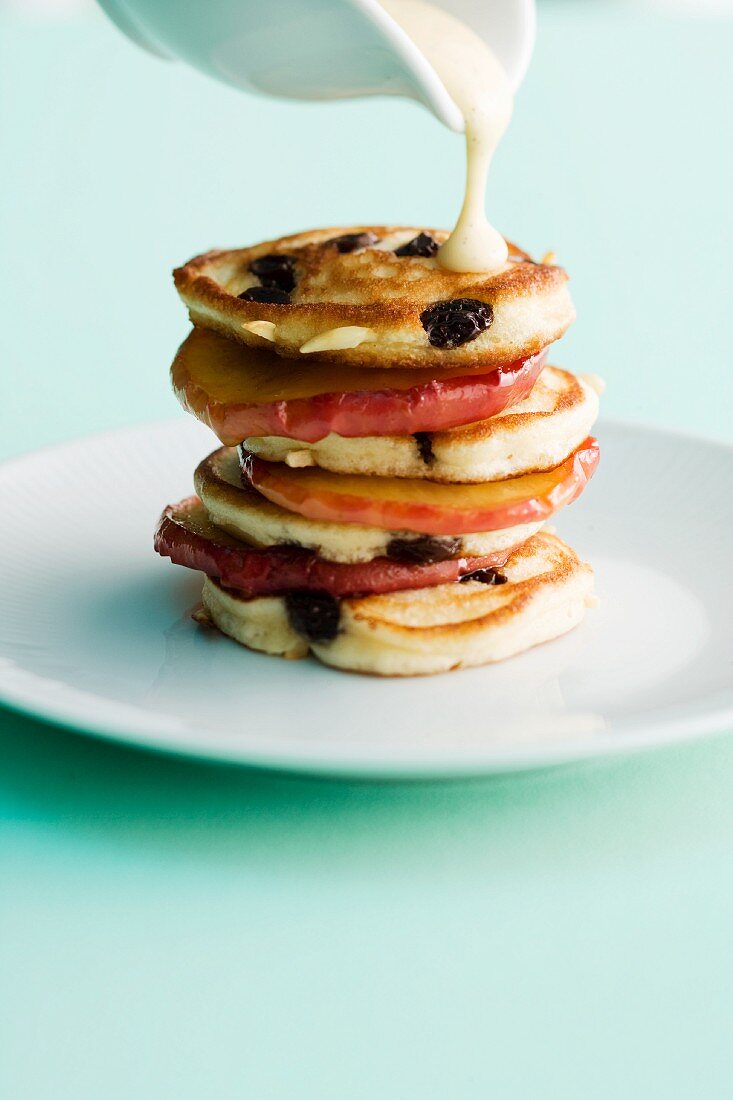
<point x="509" y="27"/>
<point x="320" y="49"/>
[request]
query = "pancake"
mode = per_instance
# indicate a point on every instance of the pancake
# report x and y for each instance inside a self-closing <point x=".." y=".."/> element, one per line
<point x="536" y="434"/>
<point x="248" y="516"/>
<point x="428" y="630"/>
<point x="353" y="280"/>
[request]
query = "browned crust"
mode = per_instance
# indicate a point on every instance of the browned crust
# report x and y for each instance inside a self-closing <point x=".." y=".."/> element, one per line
<point x="562" y="561"/>
<point x="563" y="401"/>
<point x="375" y="289"/>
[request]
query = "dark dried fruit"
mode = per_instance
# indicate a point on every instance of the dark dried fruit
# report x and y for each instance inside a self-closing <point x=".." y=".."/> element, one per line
<point x="270" y="295"/>
<point x="314" y="615"/>
<point x="425" y="550"/>
<point x="275" y="271"/>
<point x="350" y="242"/>
<point x="421" y="245"/>
<point x="453" y="323"/>
<point x="424" y="442"/>
<point x="485" y="576"/>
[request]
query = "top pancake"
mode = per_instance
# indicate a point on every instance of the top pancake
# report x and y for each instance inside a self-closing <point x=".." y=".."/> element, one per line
<point x="374" y="289"/>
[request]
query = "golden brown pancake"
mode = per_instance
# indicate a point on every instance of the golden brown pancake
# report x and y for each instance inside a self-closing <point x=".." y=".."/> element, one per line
<point x="372" y="288"/>
<point x="546" y="593"/>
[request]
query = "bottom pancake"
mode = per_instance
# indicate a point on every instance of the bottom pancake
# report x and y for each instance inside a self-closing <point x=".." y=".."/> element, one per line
<point x="542" y="592"/>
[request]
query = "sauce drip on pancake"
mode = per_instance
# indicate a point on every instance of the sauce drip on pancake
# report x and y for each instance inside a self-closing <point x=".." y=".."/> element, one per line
<point x="476" y="81"/>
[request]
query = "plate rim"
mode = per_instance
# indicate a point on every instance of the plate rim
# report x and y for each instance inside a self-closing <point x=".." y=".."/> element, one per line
<point x="637" y="736"/>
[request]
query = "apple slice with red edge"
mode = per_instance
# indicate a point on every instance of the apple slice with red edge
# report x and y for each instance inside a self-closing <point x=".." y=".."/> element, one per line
<point x="428" y="507"/>
<point x="187" y="536"/>
<point x="241" y="391"/>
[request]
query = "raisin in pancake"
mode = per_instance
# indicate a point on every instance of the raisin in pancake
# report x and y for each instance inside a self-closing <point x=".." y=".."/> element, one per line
<point x="546" y="592"/>
<point x="252" y="518"/>
<point x="385" y="289"/>
<point x="536" y="434"/>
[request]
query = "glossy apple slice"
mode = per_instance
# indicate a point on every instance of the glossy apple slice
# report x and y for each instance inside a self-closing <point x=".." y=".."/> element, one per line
<point x="241" y="391"/>
<point x="424" y="506"/>
<point x="186" y="535"/>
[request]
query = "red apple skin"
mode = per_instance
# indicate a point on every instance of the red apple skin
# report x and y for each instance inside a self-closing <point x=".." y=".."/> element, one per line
<point x="430" y="406"/>
<point x="422" y="506"/>
<point x="186" y="536"/>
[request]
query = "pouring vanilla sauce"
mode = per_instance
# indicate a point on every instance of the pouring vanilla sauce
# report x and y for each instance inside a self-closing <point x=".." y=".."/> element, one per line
<point x="476" y="81"/>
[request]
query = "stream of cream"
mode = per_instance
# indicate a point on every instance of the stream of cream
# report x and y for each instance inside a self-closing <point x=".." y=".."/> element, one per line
<point x="477" y="83"/>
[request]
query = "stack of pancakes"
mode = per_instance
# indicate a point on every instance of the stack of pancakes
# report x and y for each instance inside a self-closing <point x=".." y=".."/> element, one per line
<point x="394" y="444"/>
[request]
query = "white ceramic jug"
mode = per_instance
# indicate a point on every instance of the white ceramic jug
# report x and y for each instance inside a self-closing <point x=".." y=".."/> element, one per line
<point x="319" y="49"/>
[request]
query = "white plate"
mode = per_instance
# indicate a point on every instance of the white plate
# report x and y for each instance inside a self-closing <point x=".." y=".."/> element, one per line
<point x="95" y="631"/>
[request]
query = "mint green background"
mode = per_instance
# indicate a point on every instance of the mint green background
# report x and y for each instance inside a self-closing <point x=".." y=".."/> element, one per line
<point x="175" y="930"/>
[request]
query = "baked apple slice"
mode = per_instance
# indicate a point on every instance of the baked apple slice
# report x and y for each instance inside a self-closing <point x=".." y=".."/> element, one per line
<point x="424" y="506"/>
<point x="241" y="391"/>
<point x="187" y="536"/>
